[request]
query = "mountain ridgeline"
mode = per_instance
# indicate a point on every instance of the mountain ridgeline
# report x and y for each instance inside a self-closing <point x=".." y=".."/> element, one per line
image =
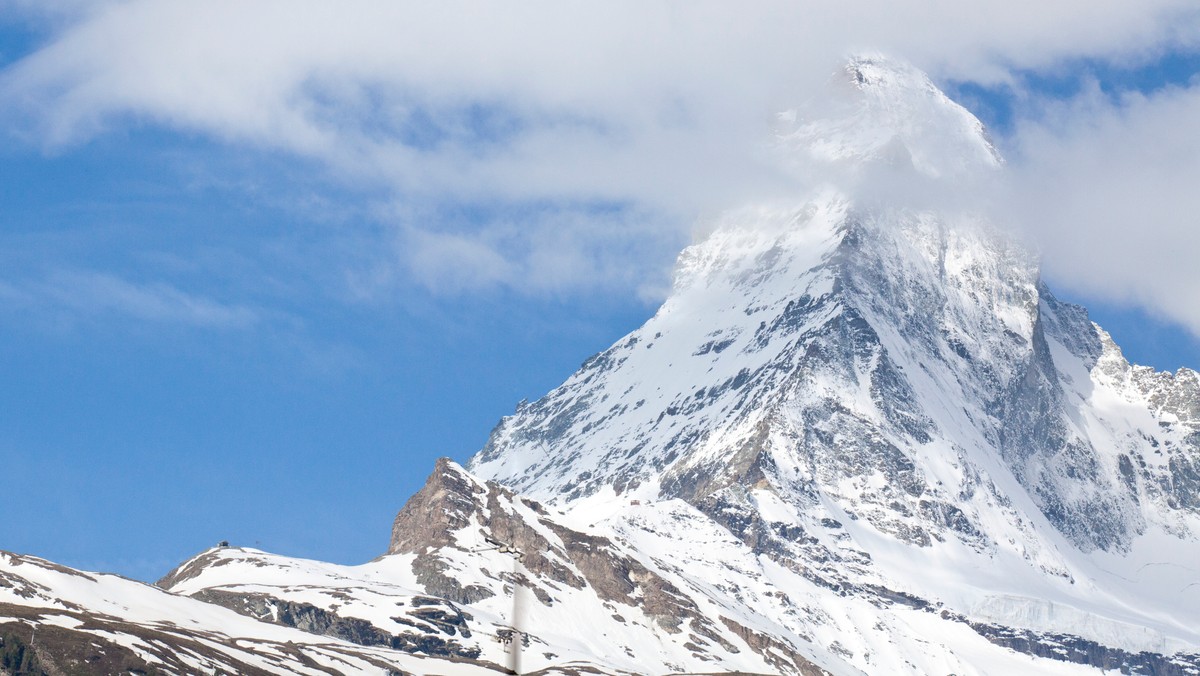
<point x="860" y="436"/>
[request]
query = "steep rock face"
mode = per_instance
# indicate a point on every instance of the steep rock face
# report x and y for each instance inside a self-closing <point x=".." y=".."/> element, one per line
<point x="1166" y="463"/>
<point x="452" y="503"/>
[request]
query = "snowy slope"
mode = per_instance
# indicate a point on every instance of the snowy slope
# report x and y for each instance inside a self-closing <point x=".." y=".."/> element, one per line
<point x="61" y="620"/>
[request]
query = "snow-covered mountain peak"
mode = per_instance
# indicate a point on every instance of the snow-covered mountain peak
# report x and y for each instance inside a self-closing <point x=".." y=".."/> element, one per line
<point x="904" y="364"/>
<point x="882" y="394"/>
<point x="882" y="113"/>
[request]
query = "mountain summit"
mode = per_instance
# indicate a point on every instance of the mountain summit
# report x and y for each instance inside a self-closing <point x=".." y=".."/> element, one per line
<point x="860" y="436"/>
<point x="902" y="373"/>
<point x="883" y="111"/>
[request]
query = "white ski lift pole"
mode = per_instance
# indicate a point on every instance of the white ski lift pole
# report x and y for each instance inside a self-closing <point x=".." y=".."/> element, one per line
<point x="518" y="609"/>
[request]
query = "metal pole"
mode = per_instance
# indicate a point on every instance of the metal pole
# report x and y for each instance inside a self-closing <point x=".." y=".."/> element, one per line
<point x="517" y="614"/>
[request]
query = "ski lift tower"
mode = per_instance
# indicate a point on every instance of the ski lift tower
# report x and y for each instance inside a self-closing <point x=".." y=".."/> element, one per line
<point x="518" y="637"/>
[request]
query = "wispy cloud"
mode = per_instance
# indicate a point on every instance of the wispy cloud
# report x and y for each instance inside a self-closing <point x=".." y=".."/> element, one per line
<point x="549" y="251"/>
<point x="83" y="295"/>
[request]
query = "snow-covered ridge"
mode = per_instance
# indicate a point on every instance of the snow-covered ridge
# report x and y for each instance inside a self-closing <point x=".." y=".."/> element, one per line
<point x="55" y="619"/>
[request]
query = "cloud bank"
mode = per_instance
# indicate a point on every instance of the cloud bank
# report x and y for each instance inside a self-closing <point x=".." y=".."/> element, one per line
<point x="586" y="130"/>
<point x="1108" y="187"/>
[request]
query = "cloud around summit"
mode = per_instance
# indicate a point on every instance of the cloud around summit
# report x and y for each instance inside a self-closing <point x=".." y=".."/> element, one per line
<point x="556" y="115"/>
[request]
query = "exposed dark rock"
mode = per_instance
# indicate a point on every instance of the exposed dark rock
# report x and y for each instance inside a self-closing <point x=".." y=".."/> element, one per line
<point x="777" y="653"/>
<point x="443" y="505"/>
<point x="435" y="577"/>
<point x="314" y="620"/>
<point x="1068" y="648"/>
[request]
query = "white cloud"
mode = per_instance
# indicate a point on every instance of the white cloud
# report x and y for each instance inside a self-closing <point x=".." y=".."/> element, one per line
<point x="549" y="251"/>
<point x="74" y="295"/>
<point x="1109" y="189"/>
<point x="661" y="105"/>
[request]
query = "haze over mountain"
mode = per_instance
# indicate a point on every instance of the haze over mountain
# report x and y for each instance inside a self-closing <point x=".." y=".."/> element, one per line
<point x="860" y="436"/>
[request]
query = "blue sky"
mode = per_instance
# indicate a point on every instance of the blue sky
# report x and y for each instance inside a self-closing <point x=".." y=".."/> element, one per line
<point x="142" y="438"/>
<point x="257" y="306"/>
<point x="144" y="435"/>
